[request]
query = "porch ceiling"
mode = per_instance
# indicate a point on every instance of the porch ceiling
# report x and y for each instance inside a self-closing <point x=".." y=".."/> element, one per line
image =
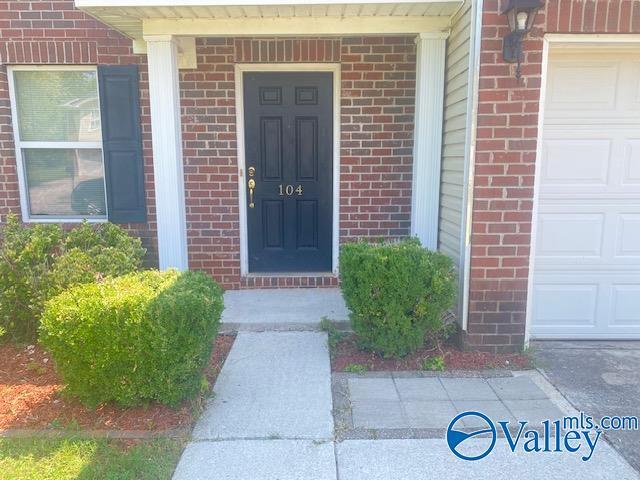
<point x="136" y="18"/>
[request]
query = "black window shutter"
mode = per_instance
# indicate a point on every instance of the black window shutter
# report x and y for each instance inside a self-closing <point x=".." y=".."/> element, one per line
<point x="122" y="143"/>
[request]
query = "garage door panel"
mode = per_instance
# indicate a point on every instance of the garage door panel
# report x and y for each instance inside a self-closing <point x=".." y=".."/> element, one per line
<point x="631" y="175"/>
<point x="628" y="237"/>
<point x="558" y="304"/>
<point x="593" y="88"/>
<point x="576" y="161"/>
<point x="625" y="305"/>
<point x="570" y="235"/>
<point x="586" y="270"/>
<point x="594" y="161"/>
<point x="586" y="235"/>
<point x="590" y="304"/>
<point x="569" y="80"/>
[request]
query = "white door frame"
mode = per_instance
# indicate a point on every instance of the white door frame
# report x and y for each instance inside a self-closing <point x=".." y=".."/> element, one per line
<point x="555" y="40"/>
<point x="240" y="68"/>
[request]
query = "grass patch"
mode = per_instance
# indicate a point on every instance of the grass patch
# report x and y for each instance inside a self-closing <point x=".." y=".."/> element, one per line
<point x="333" y="333"/>
<point x="355" y="368"/>
<point x="84" y="459"/>
<point x="434" y="364"/>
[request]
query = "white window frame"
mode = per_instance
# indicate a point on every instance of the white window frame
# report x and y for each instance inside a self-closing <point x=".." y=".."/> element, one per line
<point x="20" y="145"/>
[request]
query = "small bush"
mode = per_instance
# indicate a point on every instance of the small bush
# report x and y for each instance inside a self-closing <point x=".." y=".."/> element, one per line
<point x="434" y="364"/>
<point x="397" y="293"/>
<point x="38" y="262"/>
<point x="136" y="338"/>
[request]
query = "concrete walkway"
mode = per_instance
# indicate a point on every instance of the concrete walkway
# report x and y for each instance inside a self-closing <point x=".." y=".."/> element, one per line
<point x="272" y="385"/>
<point x="272" y="415"/>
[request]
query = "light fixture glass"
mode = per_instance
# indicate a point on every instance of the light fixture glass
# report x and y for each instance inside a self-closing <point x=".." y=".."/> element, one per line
<point x="522" y="21"/>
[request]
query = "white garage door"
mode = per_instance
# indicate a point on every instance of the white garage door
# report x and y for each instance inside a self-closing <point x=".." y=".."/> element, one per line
<point x="586" y="278"/>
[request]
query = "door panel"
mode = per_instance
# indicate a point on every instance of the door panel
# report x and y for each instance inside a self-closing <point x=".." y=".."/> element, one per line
<point x="586" y="275"/>
<point x="289" y="144"/>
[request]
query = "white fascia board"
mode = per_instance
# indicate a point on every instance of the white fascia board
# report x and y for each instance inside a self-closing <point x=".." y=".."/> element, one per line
<point x="229" y="3"/>
<point x="295" y="26"/>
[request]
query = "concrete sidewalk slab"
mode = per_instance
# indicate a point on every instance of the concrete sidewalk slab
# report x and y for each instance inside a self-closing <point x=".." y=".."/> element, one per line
<point x="282" y="309"/>
<point x="421" y="389"/>
<point x="516" y="388"/>
<point x="257" y="459"/>
<point x="272" y="385"/>
<point x="428" y="459"/>
<point x="468" y="389"/>
<point x="385" y="402"/>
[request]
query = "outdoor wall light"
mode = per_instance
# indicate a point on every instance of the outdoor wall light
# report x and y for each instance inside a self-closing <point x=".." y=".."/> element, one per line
<point x="521" y="15"/>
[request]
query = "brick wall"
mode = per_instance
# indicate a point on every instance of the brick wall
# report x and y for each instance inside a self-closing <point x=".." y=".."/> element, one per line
<point x="505" y="162"/>
<point x="378" y="97"/>
<point x="378" y="83"/>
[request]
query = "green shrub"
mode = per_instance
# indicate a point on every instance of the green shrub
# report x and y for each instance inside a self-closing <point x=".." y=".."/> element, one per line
<point x="397" y="293"/>
<point x="136" y="338"/>
<point x="434" y="364"/>
<point x="38" y="262"/>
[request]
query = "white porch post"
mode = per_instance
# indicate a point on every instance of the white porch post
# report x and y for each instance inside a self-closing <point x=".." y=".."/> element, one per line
<point x="427" y="149"/>
<point x="164" y="97"/>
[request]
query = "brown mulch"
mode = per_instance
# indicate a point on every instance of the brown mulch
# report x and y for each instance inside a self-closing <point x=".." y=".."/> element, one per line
<point x="347" y="353"/>
<point x="31" y="396"/>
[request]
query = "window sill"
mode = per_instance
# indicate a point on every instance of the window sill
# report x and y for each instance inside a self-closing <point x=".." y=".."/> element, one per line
<point x="63" y="220"/>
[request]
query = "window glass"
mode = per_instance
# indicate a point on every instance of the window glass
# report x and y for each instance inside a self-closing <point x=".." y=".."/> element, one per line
<point x="58" y="105"/>
<point x="66" y="182"/>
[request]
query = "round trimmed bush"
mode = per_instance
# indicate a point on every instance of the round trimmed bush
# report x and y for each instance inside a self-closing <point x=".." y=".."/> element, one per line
<point x="133" y="339"/>
<point x="397" y="293"/>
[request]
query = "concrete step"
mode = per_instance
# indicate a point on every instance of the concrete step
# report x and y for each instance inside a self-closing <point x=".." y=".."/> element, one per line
<point x="297" y="309"/>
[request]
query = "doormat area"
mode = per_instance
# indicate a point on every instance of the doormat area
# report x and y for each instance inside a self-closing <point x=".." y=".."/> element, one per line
<point x="31" y="397"/>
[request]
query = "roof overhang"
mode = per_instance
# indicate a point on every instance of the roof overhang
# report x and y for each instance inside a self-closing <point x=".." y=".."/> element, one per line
<point x="139" y="18"/>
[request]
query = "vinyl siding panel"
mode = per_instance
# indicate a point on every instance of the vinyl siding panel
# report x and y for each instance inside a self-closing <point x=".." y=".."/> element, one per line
<point x="454" y="136"/>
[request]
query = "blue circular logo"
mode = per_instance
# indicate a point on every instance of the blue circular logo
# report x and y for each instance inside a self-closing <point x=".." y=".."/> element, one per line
<point x="483" y="428"/>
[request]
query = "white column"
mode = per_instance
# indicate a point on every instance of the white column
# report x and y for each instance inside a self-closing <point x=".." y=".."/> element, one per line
<point x="427" y="138"/>
<point x="164" y="97"/>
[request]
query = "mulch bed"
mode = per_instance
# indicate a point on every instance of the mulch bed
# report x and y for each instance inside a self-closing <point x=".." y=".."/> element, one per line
<point x="347" y="353"/>
<point x="31" y="396"/>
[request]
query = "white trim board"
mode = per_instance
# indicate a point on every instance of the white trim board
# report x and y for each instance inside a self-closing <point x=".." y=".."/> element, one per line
<point x="557" y="41"/>
<point x="230" y="3"/>
<point x="470" y="158"/>
<point x="427" y="137"/>
<point x="240" y="68"/>
<point x="294" y="26"/>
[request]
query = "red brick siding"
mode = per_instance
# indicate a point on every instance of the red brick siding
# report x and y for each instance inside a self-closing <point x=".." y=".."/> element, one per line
<point x="377" y="123"/>
<point x="210" y="161"/>
<point x="281" y="50"/>
<point x="505" y="162"/>
<point x="378" y="96"/>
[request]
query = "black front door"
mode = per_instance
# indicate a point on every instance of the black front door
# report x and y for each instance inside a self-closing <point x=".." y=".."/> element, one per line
<point x="289" y="151"/>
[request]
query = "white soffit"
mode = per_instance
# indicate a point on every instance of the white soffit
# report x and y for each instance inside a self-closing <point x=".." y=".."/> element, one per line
<point x="136" y="18"/>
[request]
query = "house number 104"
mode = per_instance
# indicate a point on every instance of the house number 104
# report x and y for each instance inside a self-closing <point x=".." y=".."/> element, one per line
<point x="289" y="190"/>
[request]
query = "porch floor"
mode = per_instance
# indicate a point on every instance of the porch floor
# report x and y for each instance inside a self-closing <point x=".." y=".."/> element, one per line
<point x="282" y="309"/>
